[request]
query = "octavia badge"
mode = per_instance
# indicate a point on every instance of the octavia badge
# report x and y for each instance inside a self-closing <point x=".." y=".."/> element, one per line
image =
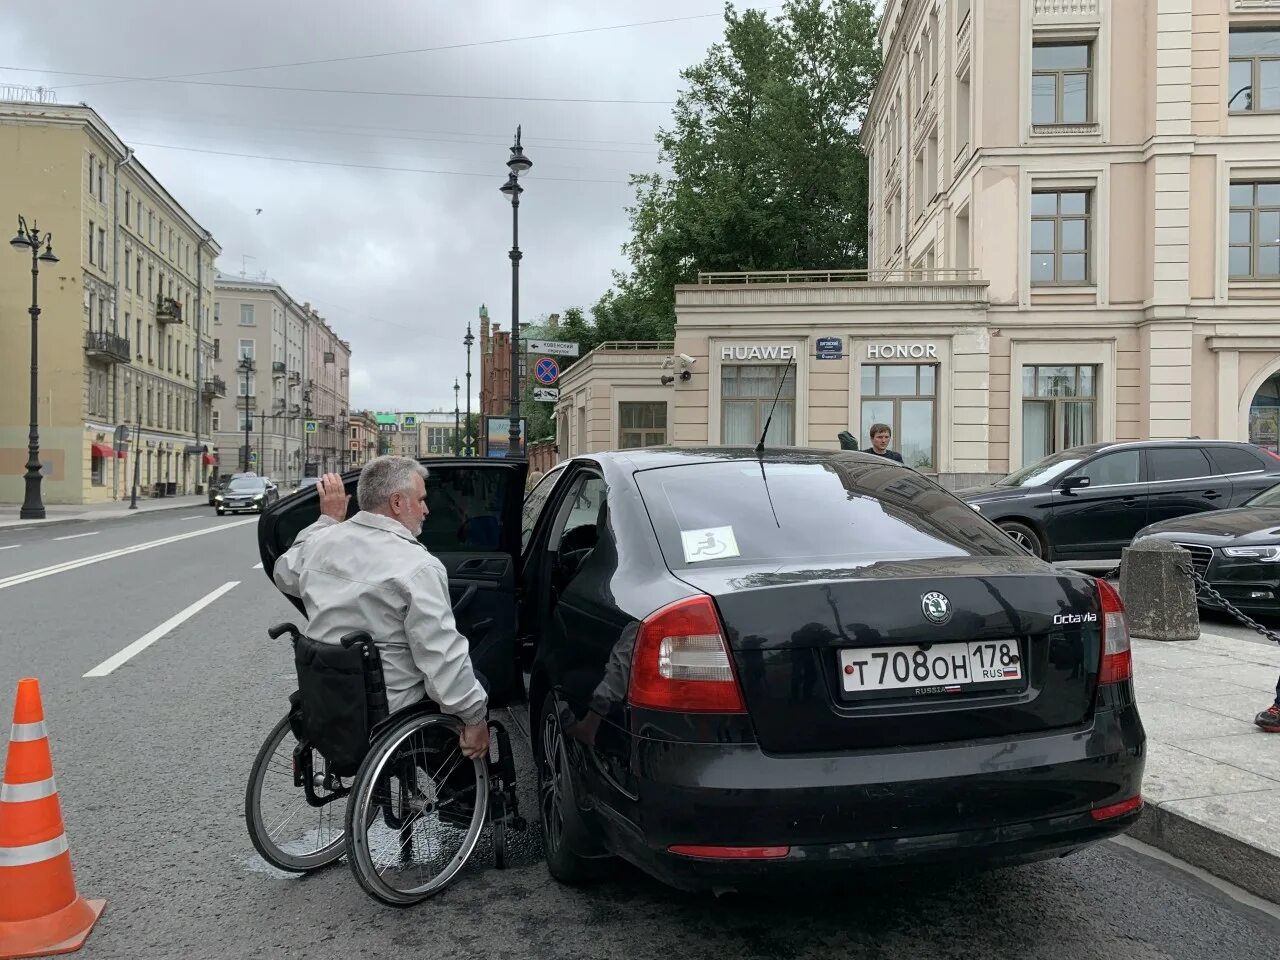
<point x="936" y="607"/>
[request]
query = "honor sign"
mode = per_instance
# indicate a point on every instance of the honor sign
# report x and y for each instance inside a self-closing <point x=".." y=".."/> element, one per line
<point x="902" y="351"/>
<point x="774" y="351"/>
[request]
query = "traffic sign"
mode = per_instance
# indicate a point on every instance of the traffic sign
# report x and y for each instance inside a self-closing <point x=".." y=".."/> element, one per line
<point x="313" y="426"/>
<point x="547" y="394"/>
<point x="546" y="371"/>
<point x="557" y="348"/>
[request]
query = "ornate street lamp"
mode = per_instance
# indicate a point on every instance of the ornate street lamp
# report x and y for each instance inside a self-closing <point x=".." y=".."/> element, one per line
<point x="469" y="340"/>
<point x="519" y="165"/>
<point x="246" y="367"/>
<point x="30" y="238"/>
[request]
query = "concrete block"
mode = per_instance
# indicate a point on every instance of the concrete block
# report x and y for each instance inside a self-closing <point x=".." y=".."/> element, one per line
<point x="1158" y="596"/>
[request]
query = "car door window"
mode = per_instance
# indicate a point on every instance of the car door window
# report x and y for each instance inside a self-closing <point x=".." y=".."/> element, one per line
<point x="466" y="510"/>
<point x="578" y="529"/>
<point x="1177" y="463"/>
<point x="534" y="503"/>
<point x="1234" y="460"/>
<point x="1111" y="469"/>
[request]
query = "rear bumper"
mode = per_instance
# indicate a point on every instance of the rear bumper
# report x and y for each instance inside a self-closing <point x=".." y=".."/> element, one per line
<point x="978" y="802"/>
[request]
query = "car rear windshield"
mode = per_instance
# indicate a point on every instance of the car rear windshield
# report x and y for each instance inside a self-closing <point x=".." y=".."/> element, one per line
<point x="787" y="513"/>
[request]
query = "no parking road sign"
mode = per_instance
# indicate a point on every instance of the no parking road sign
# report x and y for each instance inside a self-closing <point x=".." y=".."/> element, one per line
<point x="546" y="371"/>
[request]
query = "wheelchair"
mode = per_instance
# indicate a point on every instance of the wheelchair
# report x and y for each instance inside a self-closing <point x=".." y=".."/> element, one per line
<point x="341" y="774"/>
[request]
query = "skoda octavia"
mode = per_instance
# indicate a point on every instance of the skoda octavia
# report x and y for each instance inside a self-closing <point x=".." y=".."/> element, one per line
<point x="743" y="667"/>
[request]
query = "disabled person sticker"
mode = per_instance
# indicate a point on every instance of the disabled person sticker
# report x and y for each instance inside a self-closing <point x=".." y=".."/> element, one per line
<point x="712" y="543"/>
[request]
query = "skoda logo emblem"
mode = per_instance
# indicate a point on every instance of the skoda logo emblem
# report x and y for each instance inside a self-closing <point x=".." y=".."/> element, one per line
<point x="936" y="607"/>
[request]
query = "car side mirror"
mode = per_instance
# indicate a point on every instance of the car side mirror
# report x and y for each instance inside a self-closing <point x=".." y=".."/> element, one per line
<point x="1074" y="483"/>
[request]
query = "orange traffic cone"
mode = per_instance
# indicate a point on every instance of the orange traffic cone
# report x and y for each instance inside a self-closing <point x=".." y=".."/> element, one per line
<point x="40" y="912"/>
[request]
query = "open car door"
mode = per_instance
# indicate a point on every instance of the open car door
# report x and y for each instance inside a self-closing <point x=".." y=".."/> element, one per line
<point x="473" y="528"/>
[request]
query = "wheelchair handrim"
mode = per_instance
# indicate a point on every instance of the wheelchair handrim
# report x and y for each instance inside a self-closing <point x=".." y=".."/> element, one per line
<point x="372" y="771"/>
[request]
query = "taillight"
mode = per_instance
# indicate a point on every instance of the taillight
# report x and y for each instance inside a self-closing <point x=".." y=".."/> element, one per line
<point x="681" y="661"/>
<point x="1117" y="662"/>
<point x="1114" y="810"/>
<point x="729" y="853"/>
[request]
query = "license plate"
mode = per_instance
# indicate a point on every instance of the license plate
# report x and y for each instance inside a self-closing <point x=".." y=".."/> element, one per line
<point x="939" y="668"/>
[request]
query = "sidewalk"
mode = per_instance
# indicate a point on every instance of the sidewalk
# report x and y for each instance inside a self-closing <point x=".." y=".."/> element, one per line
<point x="113" y="510"/>
<point x="1212" y="781"/>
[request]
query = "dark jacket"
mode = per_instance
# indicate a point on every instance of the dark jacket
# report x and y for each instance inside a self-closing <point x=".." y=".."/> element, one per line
<point x="888" y="454"/>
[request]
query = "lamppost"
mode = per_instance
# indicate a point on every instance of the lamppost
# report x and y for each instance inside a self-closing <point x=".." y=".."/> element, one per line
<point x="30" y="238"/>
<point x="469" y="340"/>
<point x="246" y="367"/>
<point x="518" y="164"/>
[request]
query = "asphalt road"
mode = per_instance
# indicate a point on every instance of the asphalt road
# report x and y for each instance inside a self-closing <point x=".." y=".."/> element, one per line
<point x="151" y="762"/>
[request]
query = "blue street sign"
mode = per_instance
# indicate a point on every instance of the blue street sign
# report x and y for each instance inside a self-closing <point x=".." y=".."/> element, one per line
<point x="830" y="348"/>
<point x="546" y="371"/>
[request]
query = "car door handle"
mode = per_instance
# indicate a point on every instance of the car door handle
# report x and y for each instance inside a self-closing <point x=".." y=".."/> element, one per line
<point x="1212" y="495"/>
<point x="472" y="565"/>
<point x="1129" y="500"/>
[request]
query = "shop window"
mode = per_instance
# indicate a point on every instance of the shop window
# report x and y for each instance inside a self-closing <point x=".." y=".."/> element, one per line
<point x="904" y="397"/>
<point x="642" y="425"/>
<point x="1264" y="415"/>
<point x="1059" y="409"/>
<point x="1254" y="232"/>
<point x="1061" y="83"/>
<point x="1253" y="84"/>
<point x="746" y="395"/>
<point x="1060" y="237"/>
<point x="97" y="470"/>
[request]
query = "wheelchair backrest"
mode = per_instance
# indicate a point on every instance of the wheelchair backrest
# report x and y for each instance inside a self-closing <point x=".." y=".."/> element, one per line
<point x="343" y="696"/>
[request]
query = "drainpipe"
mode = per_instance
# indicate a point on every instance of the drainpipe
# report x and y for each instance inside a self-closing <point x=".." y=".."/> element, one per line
<point x="115" y="308"/>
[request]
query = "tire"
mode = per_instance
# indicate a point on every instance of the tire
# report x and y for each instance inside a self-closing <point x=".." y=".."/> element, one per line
<point x="1024" y="536"/>
<point x="552" y="762"/>
<point x="375" y="794"/>
<point x="299" y="860"/>
<point x="222" y="513"/>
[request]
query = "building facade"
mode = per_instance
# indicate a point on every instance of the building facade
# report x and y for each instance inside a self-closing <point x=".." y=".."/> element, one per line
<point x="125" y="326"/>
<point x="613" y="398"/>
<point x="1074" y="237"/>
<point x="362" y="438"/>
<point x="326" y="396"/>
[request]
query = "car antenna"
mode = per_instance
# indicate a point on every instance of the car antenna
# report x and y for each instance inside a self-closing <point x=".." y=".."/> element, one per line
<point x="769" y="419"/>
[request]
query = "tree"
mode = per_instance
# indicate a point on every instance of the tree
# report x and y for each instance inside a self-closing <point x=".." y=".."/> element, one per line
<point x="766" y="172"/>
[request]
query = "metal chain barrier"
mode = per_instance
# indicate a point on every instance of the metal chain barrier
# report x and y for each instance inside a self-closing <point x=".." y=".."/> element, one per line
<point x="1204" y="588"/>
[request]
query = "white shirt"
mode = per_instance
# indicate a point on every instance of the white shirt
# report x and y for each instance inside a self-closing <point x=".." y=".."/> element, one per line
<point x="370" y="573"/>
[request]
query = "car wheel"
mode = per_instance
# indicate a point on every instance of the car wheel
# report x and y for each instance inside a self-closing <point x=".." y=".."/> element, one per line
<point x="1024" y="536"/>
<point x="222" y="513"/>
<point x="554" y="802"/>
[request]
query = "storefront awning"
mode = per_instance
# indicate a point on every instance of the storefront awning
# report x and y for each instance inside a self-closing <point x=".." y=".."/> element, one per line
<point x="209" y="460"/>
<point x="103" y="450"/>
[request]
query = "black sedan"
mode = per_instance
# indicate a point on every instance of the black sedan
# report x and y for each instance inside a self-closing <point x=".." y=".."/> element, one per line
<point x="1236" y="551"/>
<point x="746" y="668"/>
<point x="247" y="492"/>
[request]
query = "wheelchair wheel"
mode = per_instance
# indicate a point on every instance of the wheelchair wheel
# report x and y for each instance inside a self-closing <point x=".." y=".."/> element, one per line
<point x="417" y="810"/>
<point x="286" y="829"/>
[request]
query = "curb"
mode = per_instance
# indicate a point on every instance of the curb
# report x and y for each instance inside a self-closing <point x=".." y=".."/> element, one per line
<point x="1224" y="856"/>
<point x="125" y="514"/>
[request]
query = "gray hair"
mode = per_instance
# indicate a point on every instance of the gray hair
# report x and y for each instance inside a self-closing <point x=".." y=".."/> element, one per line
<point x="382" y="477"/>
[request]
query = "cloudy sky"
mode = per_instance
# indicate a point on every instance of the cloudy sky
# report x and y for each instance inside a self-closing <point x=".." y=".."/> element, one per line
<point x="397" y="259"/>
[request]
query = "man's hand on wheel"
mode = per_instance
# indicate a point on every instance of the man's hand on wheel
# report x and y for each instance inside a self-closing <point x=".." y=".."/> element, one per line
<point x="333" y="497"/>
<point x="474" y="740"/>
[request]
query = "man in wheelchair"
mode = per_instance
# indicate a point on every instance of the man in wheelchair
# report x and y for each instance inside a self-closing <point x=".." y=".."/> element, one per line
<point x="371" y="573"/>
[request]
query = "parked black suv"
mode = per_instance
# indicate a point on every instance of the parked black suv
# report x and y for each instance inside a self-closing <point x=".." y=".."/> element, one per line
<point x="1087" y="503"/>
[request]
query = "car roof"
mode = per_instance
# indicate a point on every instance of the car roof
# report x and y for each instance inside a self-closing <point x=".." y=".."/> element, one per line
<point x="1092" y="448"/>
<point x="652" y="458"/>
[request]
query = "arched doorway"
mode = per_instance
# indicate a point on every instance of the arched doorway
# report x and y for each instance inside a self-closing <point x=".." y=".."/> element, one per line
<point x="1264" y="414"/>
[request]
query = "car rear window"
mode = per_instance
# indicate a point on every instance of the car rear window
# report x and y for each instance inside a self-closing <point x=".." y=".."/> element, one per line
<point x="727" y="513"/>
<point x="1234" y="460"/>
<point x="1177" y="463"/>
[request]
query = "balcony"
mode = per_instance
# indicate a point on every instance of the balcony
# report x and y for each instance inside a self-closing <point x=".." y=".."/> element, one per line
<point x="277" y="368"/>
<point x="168" y="310"/>
<point x="295" y="378"/>
<point x="106" y="347"/>
<point x="217" y="387"/>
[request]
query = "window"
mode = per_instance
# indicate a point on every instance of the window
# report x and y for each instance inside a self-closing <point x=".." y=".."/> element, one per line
<point x="962" y="240"/>
<point x="642" y="425"/>
<point x="746" y="395"/>
<point x="962" y="12"/>
<point x="932" y="41"/>
<point x="126" y="206"/>
<point x="217" y="349"/>
<point x="1253" y="85"/>
<point x="102" y="193"/>
<point x="251" y="382"/>
<point x="1254" y="233"/>
<point x="930" y="168"/>
<point x="919" y="194"/>
<point x="217" y="313"/>
<point x="244" y="421"/>
<point x="92" y="163"/>
<point x="137" y="278"/>
<point x="1058" y="409"/>
<point x="247" y="349"/>
<point x="246" y="315"/>
<point x="97" y="472"/>
<point x="902" y="396"/>
<point x="1060" y="83"/>
<point x="128" y="256"/>
<point x="1060" y="237"/>
<point x="150" y="350"/>
<point x="91" y="238"/>
<point x="1177" y="463"/>
<point x="216" y="421"/>
<point x="102" y="248"/>
<point x="1111" y="469"/>
<point x="93" y="307"/>
<point x="467" y="510"/>
<point x="1233" y="460"/>
<point x="137" y="340"/>
<point x="150" y="281"/>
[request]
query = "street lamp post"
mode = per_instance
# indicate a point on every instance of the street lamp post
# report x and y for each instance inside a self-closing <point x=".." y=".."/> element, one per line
<point x="457" y="439"/>
<point x="469" y="340"/>
<point x="30" y="238"/>
<point x="518" y="164"/>
<point x="246" y="367"/>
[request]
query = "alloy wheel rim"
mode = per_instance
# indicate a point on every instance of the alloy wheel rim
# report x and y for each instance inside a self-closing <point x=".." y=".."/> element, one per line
<point x="552" y="769"/>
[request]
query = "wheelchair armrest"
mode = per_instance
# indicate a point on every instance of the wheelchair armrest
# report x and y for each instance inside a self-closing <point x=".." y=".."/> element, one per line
<point x="280" y="629"/>
<point x="356" y="636"/>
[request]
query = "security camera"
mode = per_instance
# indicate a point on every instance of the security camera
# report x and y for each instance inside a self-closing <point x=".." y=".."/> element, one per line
<point x="687" y="360"/>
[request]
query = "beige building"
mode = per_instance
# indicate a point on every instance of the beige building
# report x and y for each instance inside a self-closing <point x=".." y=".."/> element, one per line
<point x="362" y="439"/>
<point x="1075" y="236"/>
<point x="326" y="393"/>
<point x="614" y="399"/>
<point x="121" y="314"/>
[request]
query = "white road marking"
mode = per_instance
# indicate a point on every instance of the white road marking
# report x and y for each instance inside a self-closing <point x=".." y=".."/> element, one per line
<point x="77" y="536"/>
<point x="112" y="554"/>
<point x="135" y="648"/>
<point x="258" y="565"/>
<point x="13" y="546"/>
<point x="195" y="516"/>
